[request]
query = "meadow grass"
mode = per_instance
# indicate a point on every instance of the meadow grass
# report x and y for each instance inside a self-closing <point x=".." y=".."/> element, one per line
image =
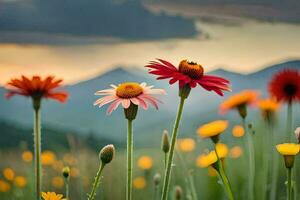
<point x="114" y="178"/>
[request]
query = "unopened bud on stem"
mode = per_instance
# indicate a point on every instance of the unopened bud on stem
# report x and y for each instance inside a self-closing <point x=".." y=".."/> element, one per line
<point x="165" y="145"/>
<point x="107" y="154"/>
<point x="66" y="172"/>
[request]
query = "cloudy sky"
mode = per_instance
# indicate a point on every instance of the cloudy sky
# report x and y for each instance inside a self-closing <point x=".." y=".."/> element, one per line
<point x="77" y="39"/>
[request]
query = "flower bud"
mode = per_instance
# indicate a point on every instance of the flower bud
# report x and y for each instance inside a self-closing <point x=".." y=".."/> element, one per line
<point x="184" y="91"/>
<point x="131" y="112"/>
<point x="66" y="172"/>
<point x="165" y="145"/>
<point x="297" y="134"/>
<point x="178" y="192"/>
<point x="242" y="109"/>
<point x="157" y="179"/>
<point x="289" y="161"/>
<point x="107" y="154"/>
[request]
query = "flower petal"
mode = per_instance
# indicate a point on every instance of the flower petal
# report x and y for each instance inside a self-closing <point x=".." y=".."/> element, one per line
<point x="125" y="103"/>
<point x="113" y="106"/>
<point x="142" y="103"/>
<point x="105" y="100"/>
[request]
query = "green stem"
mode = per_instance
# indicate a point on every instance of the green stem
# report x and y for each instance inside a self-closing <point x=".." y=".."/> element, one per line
<point x="289" y="131"/>
<point x="224" y="178"/>
<point x="96" y="183"/>
<point x="129" y="160"/>
<point x="156" y="192"/>
<point x="289" y="122"/>
<point x="289" y="184"/>
<point x="166" y="156"/>
<point x="266" y="160"/>
<point x="251" y="162"/>
<point x="67" y="188"/>
<point x="171" y="153"/>
<point x="275" y="166"/>
<point x="37" y="152"/>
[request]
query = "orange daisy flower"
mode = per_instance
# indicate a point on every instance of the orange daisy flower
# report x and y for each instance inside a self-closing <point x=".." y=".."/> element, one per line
<point x="36" y="88"/>
<point x="268" y="108"/>
<point x="245" y="97"/>
<point x="285" y="86"/>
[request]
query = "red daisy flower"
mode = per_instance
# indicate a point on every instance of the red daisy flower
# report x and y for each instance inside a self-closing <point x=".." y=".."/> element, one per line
<point x="285" y="86"/>
<point x="188" y="73"/>
<point x="36" y="88"/>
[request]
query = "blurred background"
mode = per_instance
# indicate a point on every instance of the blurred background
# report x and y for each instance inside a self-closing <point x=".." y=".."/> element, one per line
<point x="92" y="44"/>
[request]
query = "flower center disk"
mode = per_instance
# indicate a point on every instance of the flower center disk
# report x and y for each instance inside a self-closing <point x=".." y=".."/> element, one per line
<point x="290" y="89"/>
<point x="129" y="90"/>
<point x="191" y="69"/>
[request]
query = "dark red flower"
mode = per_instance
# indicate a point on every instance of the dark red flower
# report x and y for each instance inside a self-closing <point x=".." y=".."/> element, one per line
<point x="36" y="88"/>
<point x="285" y="86"/>
<point x="188" y="73"/>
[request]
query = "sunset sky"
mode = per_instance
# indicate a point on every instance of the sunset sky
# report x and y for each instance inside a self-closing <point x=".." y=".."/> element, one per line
<point x="244" y="46"/>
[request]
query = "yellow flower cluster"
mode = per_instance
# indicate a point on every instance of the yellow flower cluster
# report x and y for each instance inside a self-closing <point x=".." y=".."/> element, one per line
<point x="11" y="178"/>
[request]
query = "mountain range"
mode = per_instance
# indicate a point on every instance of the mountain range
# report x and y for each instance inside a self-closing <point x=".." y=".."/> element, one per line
<point x="79" y="114"/>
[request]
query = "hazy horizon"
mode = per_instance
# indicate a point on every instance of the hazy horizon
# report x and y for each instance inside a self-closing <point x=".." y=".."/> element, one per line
<point x="237" y="44"/>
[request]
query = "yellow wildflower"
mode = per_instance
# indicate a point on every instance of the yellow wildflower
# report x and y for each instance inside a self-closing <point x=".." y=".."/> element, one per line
<point x="145" y="162"/>
<point x="139" y="183"/>
<point x="51" y="196"/>
<point x="186" y="144"/>
<point x="20" y="181"/>
<point x="4" y="186"/>
<point x="9" y="174"/>
<point x="212" y="129"/>
<point x="48" y="158"/>
<point x="27" y="156"/>
<point x="238" y="131"/>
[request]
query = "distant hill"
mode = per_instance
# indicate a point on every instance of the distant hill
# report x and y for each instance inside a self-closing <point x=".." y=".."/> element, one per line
<point x="14" y="135"/>
<point x="79" y="113"/>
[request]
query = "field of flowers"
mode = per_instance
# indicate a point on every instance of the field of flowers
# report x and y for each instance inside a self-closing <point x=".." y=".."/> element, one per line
<point x="255" y="162"/>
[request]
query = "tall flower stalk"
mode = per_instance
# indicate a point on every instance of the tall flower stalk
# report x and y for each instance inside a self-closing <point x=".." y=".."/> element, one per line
<point x="130" y="95"/>
<point x="106" y="155"/>
<point x="240" y="102"/>
<point x="37" y="89"/>
<point x="215" y="159"/>
<point x="129" y="159"/>
<point x="213" y="130"/>
<point x="66" y="175"/>
<point x="171" y="152"/>
<point x="288" y="151"/>
<point x="224" y="178"/>
<point x="268" y="108"/>
<point x="37" y="147"/>
<point x="285" y="87"/>
<point x="251" y="155"/>
<point x="188" y="74"/>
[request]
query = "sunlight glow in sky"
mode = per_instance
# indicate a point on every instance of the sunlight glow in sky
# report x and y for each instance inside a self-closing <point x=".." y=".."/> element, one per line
<point x="244" y="49"/>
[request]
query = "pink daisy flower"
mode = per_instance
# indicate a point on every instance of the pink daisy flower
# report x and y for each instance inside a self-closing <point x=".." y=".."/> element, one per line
<point x="128" y="93"/>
